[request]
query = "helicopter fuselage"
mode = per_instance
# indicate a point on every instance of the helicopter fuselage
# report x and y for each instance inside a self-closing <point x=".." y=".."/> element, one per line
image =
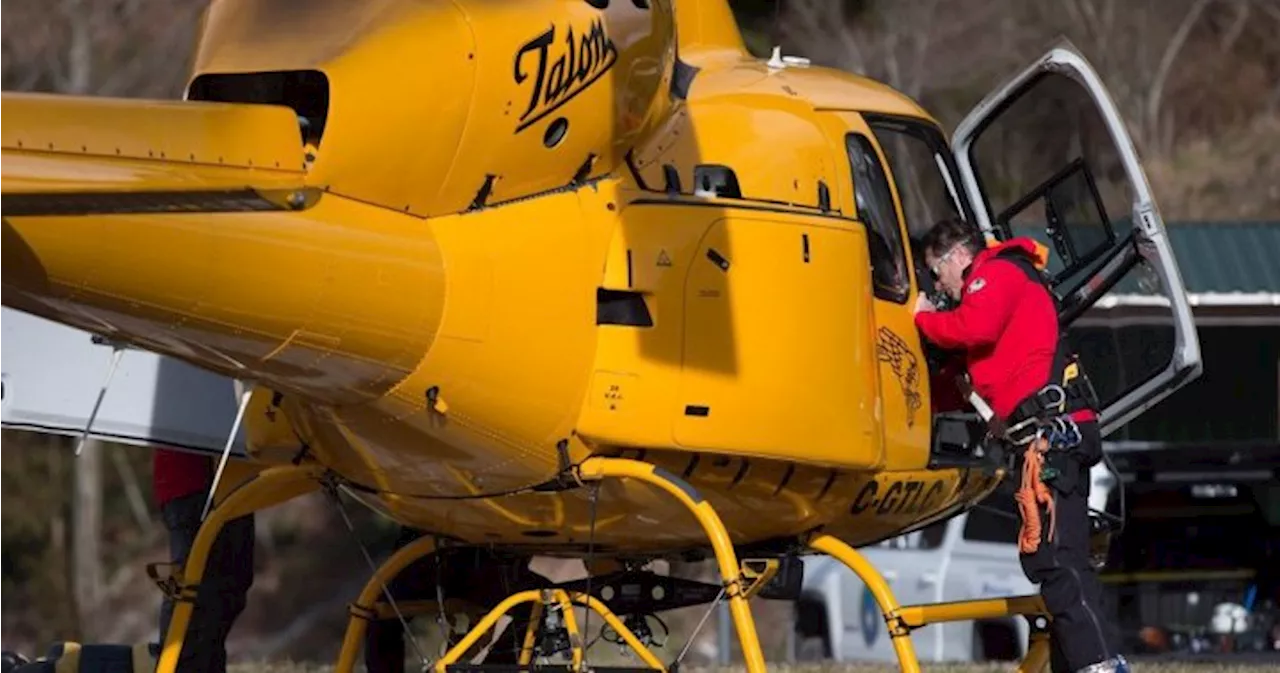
<point x="556" y="241"/>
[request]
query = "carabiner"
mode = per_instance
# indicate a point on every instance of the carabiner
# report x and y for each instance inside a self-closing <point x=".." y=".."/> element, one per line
<point x="1053" y="388"/>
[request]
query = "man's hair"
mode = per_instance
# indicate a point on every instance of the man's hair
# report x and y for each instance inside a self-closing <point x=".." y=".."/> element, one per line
<point x="947" y="233"/>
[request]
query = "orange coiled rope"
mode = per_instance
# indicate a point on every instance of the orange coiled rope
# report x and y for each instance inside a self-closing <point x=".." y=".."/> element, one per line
<point x="1031" y="494"/>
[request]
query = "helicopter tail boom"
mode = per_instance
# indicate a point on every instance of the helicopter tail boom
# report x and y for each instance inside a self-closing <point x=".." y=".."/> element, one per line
<point x="189" y="229"/>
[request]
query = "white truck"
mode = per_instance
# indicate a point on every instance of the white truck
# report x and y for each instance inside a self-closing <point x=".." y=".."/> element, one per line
<point x="969" y="556"/>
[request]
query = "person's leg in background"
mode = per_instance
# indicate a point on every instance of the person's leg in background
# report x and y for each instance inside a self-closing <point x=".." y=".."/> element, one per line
<point x="180" y="540"/>
<point x="223" y="590"/>
<point x="181" y="482"/>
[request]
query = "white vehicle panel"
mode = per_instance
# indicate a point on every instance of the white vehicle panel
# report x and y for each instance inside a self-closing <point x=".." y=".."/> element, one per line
<point x="53" y="374"/>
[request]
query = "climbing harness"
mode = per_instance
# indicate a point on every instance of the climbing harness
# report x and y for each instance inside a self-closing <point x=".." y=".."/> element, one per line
<point x="1041" y="423"/>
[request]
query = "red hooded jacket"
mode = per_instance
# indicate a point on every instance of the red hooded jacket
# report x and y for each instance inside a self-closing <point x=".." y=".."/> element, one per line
<point x="175" y="474"/>
<point x="1007" y="326"/>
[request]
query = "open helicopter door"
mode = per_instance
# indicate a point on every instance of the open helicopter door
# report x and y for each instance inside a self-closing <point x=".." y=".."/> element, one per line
<point x="53" y="381"/>
<point x="1047" y="155"/>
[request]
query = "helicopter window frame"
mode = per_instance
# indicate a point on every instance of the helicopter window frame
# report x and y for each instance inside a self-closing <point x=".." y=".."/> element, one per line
<point x="876" y="208"/>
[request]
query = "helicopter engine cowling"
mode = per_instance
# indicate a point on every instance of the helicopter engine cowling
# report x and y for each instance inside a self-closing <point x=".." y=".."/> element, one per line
<point x="468" y="108"/>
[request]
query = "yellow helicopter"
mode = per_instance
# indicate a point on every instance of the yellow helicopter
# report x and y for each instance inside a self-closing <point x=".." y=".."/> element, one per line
<point x="579" y="278"/>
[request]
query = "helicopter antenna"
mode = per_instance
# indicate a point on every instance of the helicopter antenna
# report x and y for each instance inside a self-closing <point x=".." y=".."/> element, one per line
<point x="775" y="32"/>
<point x="776" y="60"/>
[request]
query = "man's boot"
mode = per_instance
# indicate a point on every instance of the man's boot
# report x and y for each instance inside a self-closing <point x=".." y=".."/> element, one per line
<point x="74" y="657"/>
<point x="10" y="661"/>
<point x="1116" y="664"/>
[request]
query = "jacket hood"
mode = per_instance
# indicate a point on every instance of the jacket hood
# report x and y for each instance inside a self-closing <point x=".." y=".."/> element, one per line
<point x="1036" y="251"/>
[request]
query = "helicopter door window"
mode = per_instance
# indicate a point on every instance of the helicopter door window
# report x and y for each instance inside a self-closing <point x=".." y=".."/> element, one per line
<point x="923" y="171"/>
<point x="875" y="209"/>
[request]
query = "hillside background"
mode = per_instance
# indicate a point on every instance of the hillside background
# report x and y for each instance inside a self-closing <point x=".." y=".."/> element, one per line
<point x="1198" y="82"/>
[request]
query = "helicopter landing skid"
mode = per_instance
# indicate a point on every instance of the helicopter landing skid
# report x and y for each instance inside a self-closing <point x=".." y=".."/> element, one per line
<point x="553" y="626"/>
<point x="739" y="587"/>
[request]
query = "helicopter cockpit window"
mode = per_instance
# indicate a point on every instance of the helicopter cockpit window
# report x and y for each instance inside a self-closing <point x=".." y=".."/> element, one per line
<point x="919" y="163"/>
<point x="923" y="172"/>
<point x="876" y="210"/>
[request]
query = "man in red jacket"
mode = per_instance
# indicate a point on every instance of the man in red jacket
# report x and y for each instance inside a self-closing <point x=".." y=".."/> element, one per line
<point x="181" y="481"/>
<point x="1006" y="325"/>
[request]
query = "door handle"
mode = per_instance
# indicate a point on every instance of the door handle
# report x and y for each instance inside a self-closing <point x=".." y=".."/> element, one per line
<point x="929" y="579"/>
<point x="890" y="575"/>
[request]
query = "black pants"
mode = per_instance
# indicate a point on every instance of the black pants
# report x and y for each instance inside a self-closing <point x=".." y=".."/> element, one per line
<point x="227" y="577"/>
<point x="1081" y="634"/>
<point x="474" y="574"/>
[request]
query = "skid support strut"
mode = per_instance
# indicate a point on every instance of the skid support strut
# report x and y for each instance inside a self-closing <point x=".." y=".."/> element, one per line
<point x="597" y="468"/>
<point x="541" y="598"/>
<point x="268" y="488"/>
<point x="902" y="619"/>
<point x="366" y="608"/>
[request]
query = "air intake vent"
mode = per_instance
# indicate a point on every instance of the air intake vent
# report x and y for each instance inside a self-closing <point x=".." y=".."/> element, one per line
<point x="306" y="91"/>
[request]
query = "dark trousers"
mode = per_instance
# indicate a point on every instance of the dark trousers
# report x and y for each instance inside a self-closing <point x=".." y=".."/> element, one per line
<point x="1080" y="633"/>
<point x="474" y="574"/>
<point x="221" y="597"/>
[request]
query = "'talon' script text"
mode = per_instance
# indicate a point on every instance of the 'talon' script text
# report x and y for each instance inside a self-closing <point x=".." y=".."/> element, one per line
<point x="562" y="72"/>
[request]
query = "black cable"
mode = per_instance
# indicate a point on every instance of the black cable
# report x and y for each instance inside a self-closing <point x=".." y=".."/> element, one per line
<point x="521" y="490"/>
<point x="591" y="547"/>
<point x="617" y="638"/>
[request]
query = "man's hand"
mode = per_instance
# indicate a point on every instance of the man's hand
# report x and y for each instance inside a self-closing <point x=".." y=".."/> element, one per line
<point x="923" y="304"/>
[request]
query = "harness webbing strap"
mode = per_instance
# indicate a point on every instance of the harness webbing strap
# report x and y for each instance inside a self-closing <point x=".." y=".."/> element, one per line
<point x="1066" y="372"/>
<point x="1073" y="394"/>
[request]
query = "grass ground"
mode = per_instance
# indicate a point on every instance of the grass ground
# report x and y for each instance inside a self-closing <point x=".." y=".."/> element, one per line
<point x="774" y="619"/>
<point x="1138" y="667"/>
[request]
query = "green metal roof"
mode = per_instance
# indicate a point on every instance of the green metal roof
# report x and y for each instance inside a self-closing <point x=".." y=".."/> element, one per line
<point x="1214" y="257"/>
<point x="1227" y="256"/>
